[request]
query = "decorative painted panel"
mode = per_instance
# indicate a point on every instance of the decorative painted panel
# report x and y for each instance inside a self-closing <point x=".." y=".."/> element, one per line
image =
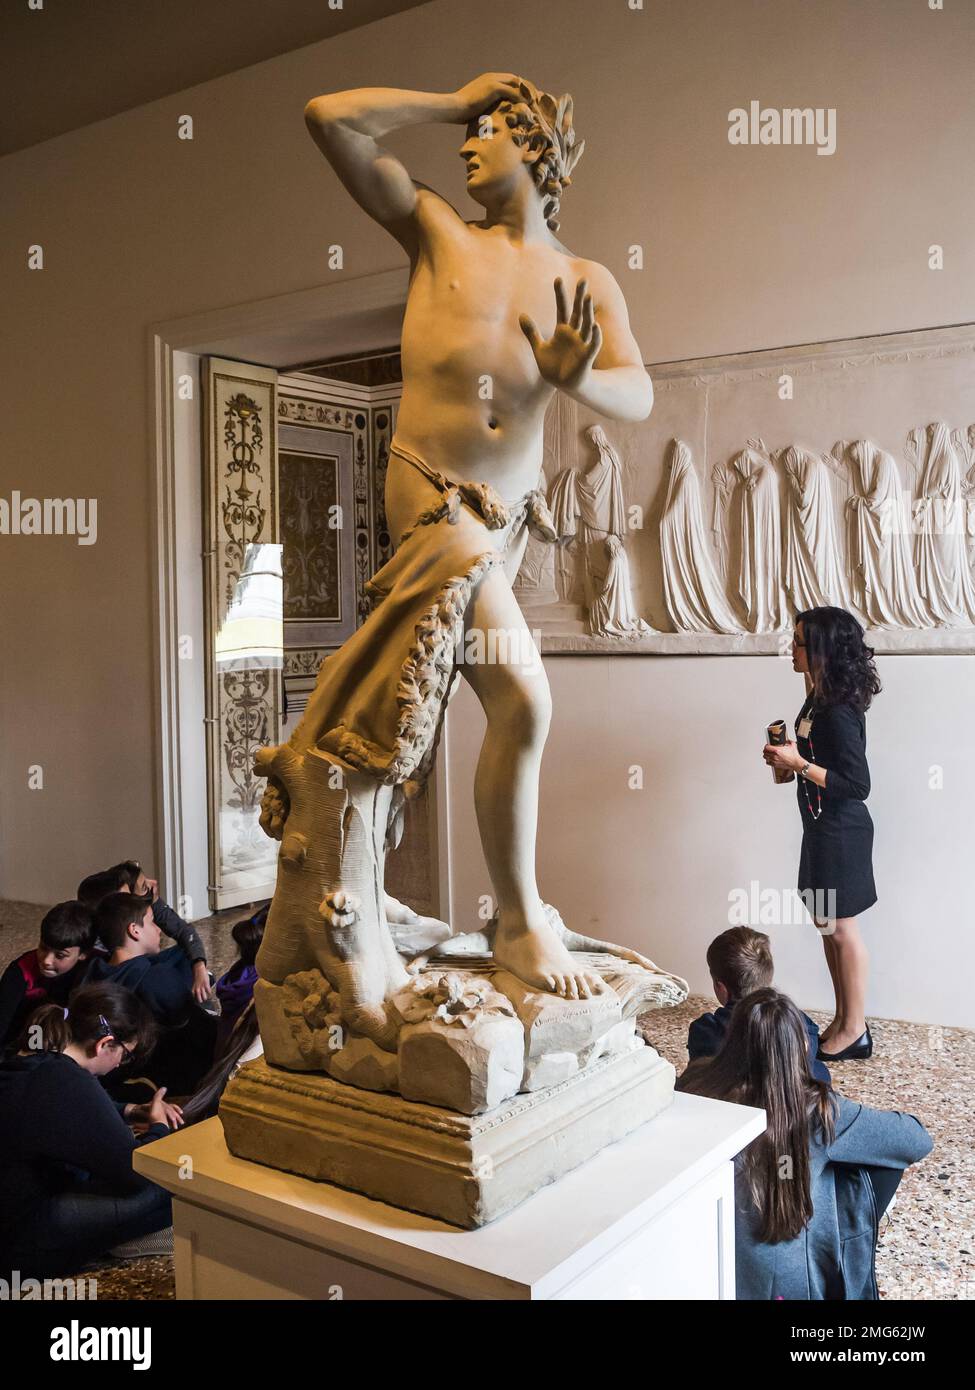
<point x="244" y="623"/>
<point x="308" y="488"/>
<point x="319" y="531"/>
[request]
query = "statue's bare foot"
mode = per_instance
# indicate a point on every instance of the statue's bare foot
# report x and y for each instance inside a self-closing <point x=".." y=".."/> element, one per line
<point x="531" y="950"/>
<point x="574" y="941"/>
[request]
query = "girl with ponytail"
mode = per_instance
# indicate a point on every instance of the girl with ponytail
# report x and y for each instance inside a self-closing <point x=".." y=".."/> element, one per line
<point x="68" y="1192"/>
<point x="810" y="1191"/>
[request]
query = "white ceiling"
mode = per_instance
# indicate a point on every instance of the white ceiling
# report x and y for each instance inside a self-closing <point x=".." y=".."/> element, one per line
<point x="77" y="61"/>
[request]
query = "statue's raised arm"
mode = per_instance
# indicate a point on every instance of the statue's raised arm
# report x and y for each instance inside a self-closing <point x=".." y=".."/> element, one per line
<point x="347" y="127"/>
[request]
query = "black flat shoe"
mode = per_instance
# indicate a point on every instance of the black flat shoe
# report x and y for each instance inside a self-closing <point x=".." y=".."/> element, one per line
<point x="858" y="1051"/>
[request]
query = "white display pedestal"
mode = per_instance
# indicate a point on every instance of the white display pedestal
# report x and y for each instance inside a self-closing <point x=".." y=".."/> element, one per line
<point x="651" y="1217"/>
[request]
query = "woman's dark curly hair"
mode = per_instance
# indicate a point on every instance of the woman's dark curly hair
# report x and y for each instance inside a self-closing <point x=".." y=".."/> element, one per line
<point x="840" y="662"/>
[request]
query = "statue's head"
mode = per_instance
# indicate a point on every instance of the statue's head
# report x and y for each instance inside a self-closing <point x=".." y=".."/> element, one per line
<point x="532" y="138"/>
<point x="597" y="434"/>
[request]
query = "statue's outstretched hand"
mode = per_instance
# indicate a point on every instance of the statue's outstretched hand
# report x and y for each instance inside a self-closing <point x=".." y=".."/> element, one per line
<point x="565" y="359"/>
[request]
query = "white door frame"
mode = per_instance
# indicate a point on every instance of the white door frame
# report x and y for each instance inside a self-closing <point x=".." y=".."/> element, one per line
<point x="348" y="316"/>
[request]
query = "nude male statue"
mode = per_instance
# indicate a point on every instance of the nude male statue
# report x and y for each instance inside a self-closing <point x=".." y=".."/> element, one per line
<point x="486" y="341"/>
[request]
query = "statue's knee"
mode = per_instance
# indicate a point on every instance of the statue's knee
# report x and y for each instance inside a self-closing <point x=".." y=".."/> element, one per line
<point x="528" y="712"/>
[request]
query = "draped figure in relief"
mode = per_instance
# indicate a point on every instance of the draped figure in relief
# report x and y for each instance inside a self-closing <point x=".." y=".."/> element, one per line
<point x="814" y="574"/>
<point x="879" y="524"/>
<point x="944" y="574"/>
<point x="693" y="593"/>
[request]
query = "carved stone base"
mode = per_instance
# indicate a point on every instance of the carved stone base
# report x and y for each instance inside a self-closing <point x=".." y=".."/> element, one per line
<point x="469" y="1034"/>
<point x="464" y="1169"/>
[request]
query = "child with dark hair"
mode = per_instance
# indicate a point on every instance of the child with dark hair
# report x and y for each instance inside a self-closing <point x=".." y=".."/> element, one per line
<point x="163" y="980"/>
<point x="235" y="990"/>
<point x="740" y="961"/>
<point x="68" y="1192"/>
<point x="50" y="971"/>
<point x="130" y="877"/>
<point x="810" y="1190"/>
<point x="95" y="887"/>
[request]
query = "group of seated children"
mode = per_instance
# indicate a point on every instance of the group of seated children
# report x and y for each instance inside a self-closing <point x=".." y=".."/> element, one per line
<point x="86" y="1017"/>
<point x="811" y="1190"/>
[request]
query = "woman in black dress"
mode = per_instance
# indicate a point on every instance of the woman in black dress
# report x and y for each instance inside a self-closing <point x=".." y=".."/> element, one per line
<point x="833" y="783"/>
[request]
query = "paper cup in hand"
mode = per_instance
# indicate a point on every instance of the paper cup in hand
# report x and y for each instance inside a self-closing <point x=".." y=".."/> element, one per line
<point x="777" y="734"/>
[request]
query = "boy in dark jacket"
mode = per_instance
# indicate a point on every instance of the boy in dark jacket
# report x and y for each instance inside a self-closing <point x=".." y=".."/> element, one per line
<point x="740" y="961"/>
<point x="48" y="973"/>
<point x="163" y="980"/>
<point x="130" y="877"/>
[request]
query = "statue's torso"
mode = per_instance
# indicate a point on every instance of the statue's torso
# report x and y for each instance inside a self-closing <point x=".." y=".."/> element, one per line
<point x="473" y="402"/>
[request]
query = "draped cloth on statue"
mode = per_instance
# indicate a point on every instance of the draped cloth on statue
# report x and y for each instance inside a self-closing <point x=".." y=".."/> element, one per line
<point x="760" y="570"/>
<point x="813" y="574"/>
<point x="693" y="594"/>
<point x="379" y="700"/>
<point x="943" y="575"/>
<point x="880" y="556"/>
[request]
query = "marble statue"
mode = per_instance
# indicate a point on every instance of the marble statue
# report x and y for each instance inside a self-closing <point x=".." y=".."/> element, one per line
<point x="589" y="506"/>
<point x="882" y="574"/>
<point x="940" y="552"/>
<point x="693" y="593"/>
<point x="752" y="475"/>
<point x="500" y="315"/>
<point x="814" y="576"/>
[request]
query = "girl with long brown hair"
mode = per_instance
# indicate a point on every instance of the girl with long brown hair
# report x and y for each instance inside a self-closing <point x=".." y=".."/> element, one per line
<point x="809" y="1192"/>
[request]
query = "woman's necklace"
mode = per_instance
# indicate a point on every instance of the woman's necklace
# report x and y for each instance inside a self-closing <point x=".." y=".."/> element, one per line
<point x="805" y="781"/>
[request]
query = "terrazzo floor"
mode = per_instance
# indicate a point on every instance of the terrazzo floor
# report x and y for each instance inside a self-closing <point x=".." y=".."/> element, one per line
<point x="927" y="1247"/>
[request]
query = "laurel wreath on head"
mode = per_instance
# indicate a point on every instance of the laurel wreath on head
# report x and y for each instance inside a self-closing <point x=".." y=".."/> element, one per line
<point x="546" y="122"/>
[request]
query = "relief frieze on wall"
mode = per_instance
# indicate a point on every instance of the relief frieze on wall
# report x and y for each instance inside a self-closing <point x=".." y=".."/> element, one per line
<point x="763" y="484"/>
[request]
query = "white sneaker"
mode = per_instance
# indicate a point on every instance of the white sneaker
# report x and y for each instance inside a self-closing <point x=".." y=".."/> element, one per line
<point x="155" y="1243"/>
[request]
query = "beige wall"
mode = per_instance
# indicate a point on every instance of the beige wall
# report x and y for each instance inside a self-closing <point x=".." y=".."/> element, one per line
<point x="654" y="867"/>
<point x="745" y="247"/>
